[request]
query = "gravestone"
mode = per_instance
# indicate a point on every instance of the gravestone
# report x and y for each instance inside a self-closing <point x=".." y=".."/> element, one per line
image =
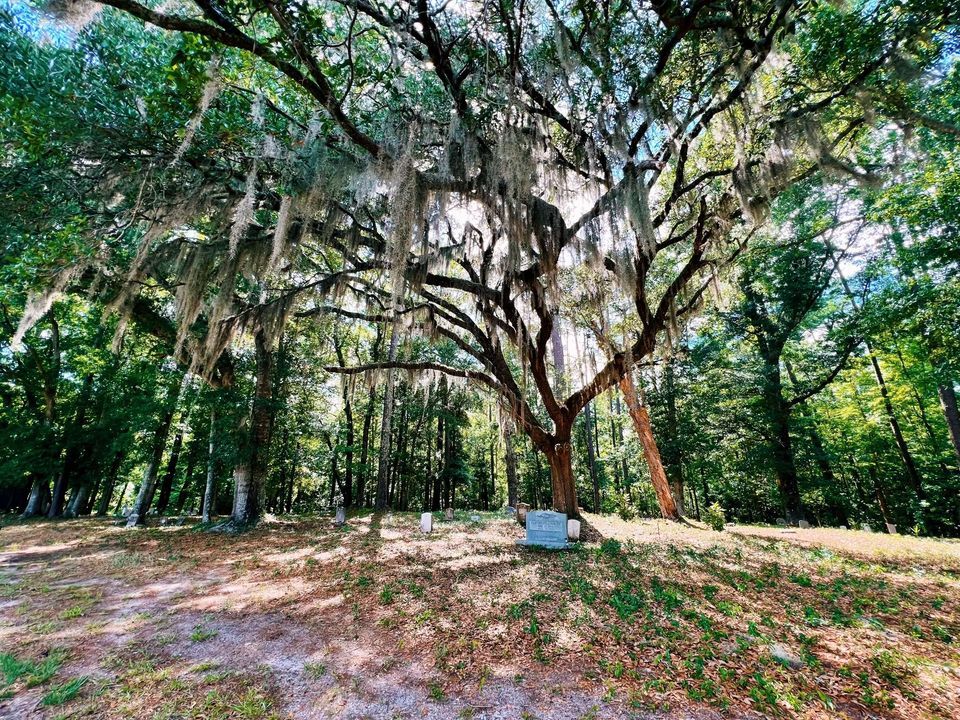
<point x="804" y="525"/>
<point x="426" y="522"/>
<point x="522" y="510"/>
<point x="341" y="518"/>
<point x="891" y="528"/>
<point x="573" y="530"/>
<point x="508" y="511"/>
<point x="781" y="522"/>
<point x="448" y="514"/>
<point x="866" y="527"/>
<point x="546" y="528"/>
<point x="474" y="518"/>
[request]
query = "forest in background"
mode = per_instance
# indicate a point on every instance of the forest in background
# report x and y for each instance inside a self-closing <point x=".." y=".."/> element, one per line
<point x="815" y="377"/>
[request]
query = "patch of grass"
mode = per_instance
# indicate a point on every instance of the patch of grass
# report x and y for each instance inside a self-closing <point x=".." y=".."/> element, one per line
<point x="73" y="612"/>
<point x="65" y="692"/>
<point x="127" y="560"/>
<point x="315" y="669"/>
<point x="627" y="599"/>
<point x="437" y="692"/>
<point x="37" y="673"/>
<point x="12" y="668"/>
<point x="202" y="634"/>
<point x="252" y="706"/>
<point x="894" y="668"/>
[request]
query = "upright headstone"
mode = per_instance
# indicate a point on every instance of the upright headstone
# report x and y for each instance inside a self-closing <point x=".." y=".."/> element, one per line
<point x="573" y="530"/>
<point x="426" y="522"/>
<point x="474" y="518"/>
<point x="448" y="513"/>
<point x="866" y="527"/>
<point x="522" y="510"/>
<point x="891" y="528"/>
<point x="341" y="518"/>
<point x="508" y="511"/>
<point x="781" y="522"/>
<point x="546" y="528"/>
<point x="804" y="525"/>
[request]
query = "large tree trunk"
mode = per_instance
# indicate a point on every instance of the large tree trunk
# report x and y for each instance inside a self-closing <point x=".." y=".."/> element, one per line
<point x="138" y="514"/>
<point x="948" y="401"/>
<point x="510" y="462"/>
<point x="251" y="476"/>
<point x="641" y="423"/>
<point x="561" y="478"/>
<point x="784" y="464"/>
<point x="383" y="467"/>
<point x="38" y="491"/>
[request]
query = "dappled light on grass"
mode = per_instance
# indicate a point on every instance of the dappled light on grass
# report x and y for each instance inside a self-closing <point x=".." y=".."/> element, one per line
<point x="656" y="616"/>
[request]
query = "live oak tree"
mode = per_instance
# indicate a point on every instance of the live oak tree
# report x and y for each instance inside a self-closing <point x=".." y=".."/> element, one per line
<point x="442" y="166"/>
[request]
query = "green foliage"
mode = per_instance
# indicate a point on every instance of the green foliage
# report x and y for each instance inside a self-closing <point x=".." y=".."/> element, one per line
<point x="715" y="516"/>
<point x="65" y="692"/>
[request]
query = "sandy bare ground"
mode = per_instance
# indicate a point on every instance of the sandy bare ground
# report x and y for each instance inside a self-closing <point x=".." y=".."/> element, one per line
<point x="300" y="619"/>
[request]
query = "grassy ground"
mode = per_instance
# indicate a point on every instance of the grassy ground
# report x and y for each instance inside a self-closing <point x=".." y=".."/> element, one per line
<point x="300" y="619"/>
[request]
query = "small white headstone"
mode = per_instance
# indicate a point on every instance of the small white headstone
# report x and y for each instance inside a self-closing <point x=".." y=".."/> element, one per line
<point x="804" y="525"/>
<point x="866" y="527"/>
<point x="341" y="518"/>
<point x="891" y="528"/>
<point x="781" y="522"/>
<point x="474" y="518"/>
<point x="573" y="530"/>
<point x="426" y="522"/>
<point x="448" y="514"/>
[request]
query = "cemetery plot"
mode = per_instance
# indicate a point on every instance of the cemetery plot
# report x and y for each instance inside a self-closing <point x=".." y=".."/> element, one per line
<point x="375" y="618"/>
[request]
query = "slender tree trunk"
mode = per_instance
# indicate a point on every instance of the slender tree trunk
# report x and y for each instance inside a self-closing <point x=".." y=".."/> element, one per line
<point x="71" y="458"/>
<point x="449" y="432"/>
<point x="948" y="401"/>
<point x="591" y="456"/>
<point x="641" y="423"/>
<point x="138" y="514"/>
<point x="210" y="489"/>
<point x="251" y="476"/>
<point x="166" y="484"/>
<point x="510" y="462"/>
<point x="107" y="494"/>
<point x="348" y="417"/>
<point x="881" y="496"/>
<point x="383" y="467"/>
<point x="186" y="488"/>
<point x="361" y="494"/>
<point x="901" y="442"/>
